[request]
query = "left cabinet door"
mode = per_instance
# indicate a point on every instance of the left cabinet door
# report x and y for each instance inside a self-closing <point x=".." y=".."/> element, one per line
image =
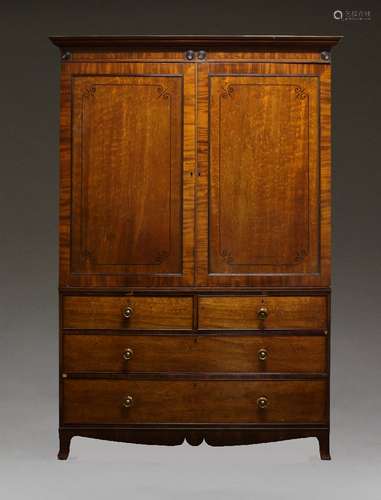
<point x="127" y="174"/>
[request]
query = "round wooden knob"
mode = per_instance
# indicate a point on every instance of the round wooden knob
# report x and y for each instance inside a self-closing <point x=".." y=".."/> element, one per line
<point x="127" y="354"/>
<point x="128" y="402"/>
<point x="262" y="313"/>
<point x="262" y="402"/>
<point x="262" y="354"/>
<point x="128" y="312"/>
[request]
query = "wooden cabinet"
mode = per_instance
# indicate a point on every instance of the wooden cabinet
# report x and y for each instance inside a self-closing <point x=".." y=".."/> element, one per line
<point x="195" y="239"/>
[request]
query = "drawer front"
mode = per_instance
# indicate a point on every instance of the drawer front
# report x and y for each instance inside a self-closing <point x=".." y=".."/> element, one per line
<point x="241" y="313"/>
<point x="123" y="313"/>
<point x="133" y="353"/>
<point x="108" y="401"/>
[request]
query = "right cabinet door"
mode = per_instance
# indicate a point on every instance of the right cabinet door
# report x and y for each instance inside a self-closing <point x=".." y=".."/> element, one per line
<point x="264" y="174"/>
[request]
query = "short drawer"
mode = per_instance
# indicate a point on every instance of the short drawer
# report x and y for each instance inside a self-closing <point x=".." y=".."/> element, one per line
<point x="181" y="401"/>
<point x="208" y="353"/>
<point x="258" y="312"/>
<point x="124" y="313"/>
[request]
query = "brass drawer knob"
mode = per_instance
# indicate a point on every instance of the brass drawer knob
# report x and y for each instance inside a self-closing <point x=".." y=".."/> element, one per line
<point x="262" y="313"/>
<point x="189" y="54"/>
<point x="128" y="312"/>
<point x="127" y="354"/>
<point x="262" y="402"/>
<point x="262" y="354"/>
<point x="128" y="402"/>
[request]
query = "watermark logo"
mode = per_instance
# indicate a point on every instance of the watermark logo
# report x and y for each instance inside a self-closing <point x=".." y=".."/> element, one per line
<point x="352" y="15"/>
<point x="338" y="15"/>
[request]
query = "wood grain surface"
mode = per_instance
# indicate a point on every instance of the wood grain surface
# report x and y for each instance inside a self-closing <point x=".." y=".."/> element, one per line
<point x="264" y="177"/>
<point x="194" y="353"/>
<point x="234" y="312"/>
<point x="127" y="174"/>
<point x="149" y="313"/>
<point x="154" y="401"/>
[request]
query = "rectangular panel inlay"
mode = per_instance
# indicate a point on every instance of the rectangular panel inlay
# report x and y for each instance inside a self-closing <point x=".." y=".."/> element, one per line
<point x="264" y="159"/>
<point x="127" y="159"/>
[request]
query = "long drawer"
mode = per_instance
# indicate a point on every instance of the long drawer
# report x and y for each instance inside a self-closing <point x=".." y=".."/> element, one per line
<point x="124" y="312"/>
<point x="259" y="312"/>
<point x="191" y="353"/>
<point x="180" y="401"/>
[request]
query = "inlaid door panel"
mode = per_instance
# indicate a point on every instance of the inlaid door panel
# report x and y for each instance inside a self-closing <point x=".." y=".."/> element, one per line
<point x="132" y="175"/>
<point x="261" y="172"/>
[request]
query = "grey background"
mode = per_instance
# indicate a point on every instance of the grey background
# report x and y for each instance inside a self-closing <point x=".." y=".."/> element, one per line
<point x="28" y="259"/>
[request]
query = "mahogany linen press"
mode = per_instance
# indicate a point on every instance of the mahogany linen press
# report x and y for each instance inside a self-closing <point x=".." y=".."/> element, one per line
<point x="195" y="242"/>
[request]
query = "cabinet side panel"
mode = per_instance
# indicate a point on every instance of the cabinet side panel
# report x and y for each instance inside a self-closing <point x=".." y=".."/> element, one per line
<point x="127" y="196"/>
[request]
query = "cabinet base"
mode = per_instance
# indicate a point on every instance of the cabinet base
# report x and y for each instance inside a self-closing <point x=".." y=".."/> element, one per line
<point x="193" y="436"/>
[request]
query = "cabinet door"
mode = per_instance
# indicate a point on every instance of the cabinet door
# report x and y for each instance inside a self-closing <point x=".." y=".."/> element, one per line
<point x="264" y="163"/>
<point x="128" y="153"/>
